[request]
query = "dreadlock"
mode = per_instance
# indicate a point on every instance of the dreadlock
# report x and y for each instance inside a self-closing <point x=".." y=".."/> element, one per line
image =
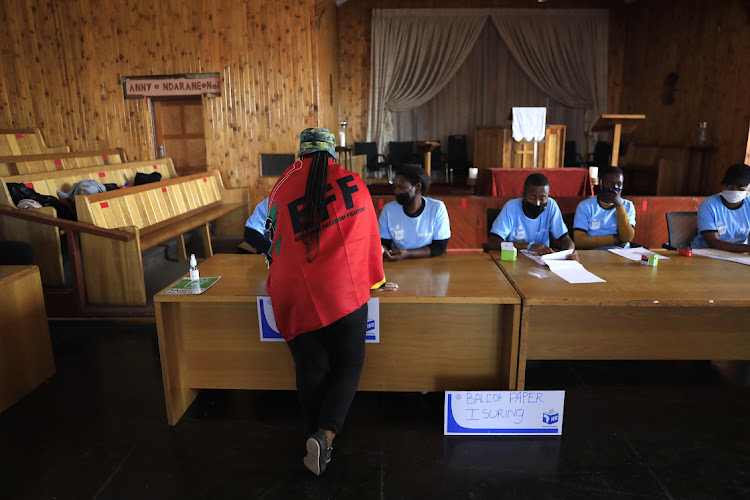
<point x="314" y="203"/>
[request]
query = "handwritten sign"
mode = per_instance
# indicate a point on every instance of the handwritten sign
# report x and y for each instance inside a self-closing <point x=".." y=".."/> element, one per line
<point x="208" y="84"/>
<point x="269" y="332"/>
<point x="504" y="413"/>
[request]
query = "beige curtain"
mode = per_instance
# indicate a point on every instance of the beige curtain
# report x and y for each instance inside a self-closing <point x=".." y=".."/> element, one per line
<point x="415" y="53"/>
<point x="564" y="52"/>
<point x="483" y="91"/>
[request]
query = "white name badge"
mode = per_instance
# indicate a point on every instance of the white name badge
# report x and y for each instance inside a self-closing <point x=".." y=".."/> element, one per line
<point x="269" y="332"/>
<point x="504" y="413"/>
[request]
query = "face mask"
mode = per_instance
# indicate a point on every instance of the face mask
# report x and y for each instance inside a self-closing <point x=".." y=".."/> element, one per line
<point x="533" y="211"/>
<point x="404" y="199"/>
<point x="733" y="196"/>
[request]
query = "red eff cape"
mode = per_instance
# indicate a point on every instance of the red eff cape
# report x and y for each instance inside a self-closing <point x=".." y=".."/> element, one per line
<point x="305" y="295"/>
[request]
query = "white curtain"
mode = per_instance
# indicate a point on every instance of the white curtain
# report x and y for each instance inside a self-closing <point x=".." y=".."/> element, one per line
<point x="546" y="57"/>
<point x="482" y="92"/>
<point x="415" y="53"/>
<point x="564" y="52"/>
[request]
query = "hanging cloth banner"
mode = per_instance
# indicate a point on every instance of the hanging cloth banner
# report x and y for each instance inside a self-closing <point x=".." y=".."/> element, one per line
<point x="205" y="84"/>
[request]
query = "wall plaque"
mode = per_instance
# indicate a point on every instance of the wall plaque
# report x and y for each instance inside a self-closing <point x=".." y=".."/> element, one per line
<point x="206" y="84"/>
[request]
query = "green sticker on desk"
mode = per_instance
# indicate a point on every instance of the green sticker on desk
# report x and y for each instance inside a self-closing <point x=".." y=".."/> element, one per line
<point x="186" y="286"/>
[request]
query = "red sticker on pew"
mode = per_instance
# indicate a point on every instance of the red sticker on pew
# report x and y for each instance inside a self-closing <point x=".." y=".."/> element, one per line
<point x="29" y="185"/>
<point x="102" y="174"/>
<point x="104" y="204"/>
<point x="155" y="167"/>
<point x="163" y="190"/>
<point x="380" y="204"/>
<point x="204" y="180"/>
<point x="463" y="203"/>
<point x="644" y="206"/>
<point x="58" y="162"/>
<point x="105" y="157"/>
<point x="19" y="136"/>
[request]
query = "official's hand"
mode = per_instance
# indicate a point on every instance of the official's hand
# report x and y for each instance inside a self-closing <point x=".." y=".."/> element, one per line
<point x="573" y="256"/>
<point x="540" y="249"/>
<point x="611" y="196"/>
<point x="395" y="254"/>
<point x="388" y="287"/>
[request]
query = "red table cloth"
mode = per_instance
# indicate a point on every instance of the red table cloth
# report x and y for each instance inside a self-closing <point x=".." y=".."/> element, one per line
<point x="562" y="181"/>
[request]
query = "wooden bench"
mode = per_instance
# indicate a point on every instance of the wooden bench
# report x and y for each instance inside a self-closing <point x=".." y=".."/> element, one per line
<point x="26" y="142"/>
<point x="155" y="213"/>
<point x="51" y="162"/>
<point x="46" y="239"/>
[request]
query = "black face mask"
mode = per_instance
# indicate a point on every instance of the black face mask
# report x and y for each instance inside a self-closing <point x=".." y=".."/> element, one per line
<point x="533" y="211"/>
<point x="404" y="199"/>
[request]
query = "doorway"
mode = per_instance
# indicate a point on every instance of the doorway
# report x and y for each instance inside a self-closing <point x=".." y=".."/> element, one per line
<point x="179" y="134"/>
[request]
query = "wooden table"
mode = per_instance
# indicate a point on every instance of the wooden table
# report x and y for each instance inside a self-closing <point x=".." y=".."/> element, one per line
<point x="451" y="325"/>
<point x="26" y="358"/>
<point x="684" y="308"/>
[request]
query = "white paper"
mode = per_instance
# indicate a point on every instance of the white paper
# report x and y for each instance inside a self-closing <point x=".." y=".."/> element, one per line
<point x="573" y="272"/>
<point x="722" y="255"/>
<point x="635" y="253"/>
<point x="543" y="259"/>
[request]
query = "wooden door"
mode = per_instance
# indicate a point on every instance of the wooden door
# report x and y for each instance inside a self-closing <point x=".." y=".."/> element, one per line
<point x="178" y="127"/>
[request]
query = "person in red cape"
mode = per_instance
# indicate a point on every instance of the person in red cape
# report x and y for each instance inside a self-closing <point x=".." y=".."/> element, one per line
<point x="325" y="256"/>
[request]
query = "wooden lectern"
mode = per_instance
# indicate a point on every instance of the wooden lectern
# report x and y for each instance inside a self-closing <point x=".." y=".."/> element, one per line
<point x="620" y="124"/>
<point x="428" y="147"/>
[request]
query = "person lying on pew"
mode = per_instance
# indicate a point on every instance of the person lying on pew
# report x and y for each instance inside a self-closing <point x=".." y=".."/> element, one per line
<point x="607" y="220"/>
<point x="255" y="228"/>
<point x="413" y="226"/>
<point x="724" y="218"/>
<point x="529" y="220"/>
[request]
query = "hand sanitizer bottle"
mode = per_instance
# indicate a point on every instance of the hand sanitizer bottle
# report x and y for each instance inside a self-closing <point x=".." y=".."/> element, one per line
<point x="194" y="275"/>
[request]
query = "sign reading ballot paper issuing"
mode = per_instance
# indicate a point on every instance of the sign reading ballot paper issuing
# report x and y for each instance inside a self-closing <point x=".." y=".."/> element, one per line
<point x="504" y="412"/>
<point x="269" y="332"/>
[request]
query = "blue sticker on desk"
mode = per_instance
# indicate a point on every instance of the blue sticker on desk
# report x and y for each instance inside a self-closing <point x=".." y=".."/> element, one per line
<point x="504" y="412"/>
<point x="269" y="332"/>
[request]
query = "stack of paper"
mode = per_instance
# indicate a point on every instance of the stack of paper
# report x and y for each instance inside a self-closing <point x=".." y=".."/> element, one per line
<point x="573" y="272"/>
<point x="722" y="255"/>
<point x="635" y="253"/>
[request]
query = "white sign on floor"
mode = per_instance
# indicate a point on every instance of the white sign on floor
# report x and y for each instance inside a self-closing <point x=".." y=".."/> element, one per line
<point x="269" y="332"/>
<point x="504" y="413"/>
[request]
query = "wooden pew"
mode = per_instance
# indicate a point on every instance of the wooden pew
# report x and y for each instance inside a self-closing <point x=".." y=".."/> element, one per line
<point x="155" y="213"/>
<point x="51" y="162"/>
<point x="46" y="239"/>
<point x="26" y="142"/>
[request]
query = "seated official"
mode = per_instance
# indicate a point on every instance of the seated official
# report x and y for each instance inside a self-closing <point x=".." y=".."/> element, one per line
<point x="255" y="228"/>
<point x="413" y="226"/>
<point x="724" y="218"/>
<point x="529" y="220"/>
<point x="607" y="220"/>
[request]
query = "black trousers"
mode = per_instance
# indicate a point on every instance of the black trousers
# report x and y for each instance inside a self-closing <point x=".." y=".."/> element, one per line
<point x="328" y="363"/>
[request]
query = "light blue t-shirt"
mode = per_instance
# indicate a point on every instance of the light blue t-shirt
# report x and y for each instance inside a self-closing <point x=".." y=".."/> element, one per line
<point x="409" y="233"/>
<point x="597" y="221"/>
<point x="257" y="221"/>
<point x="513" y="225"/>
<point x="732" y="225"/>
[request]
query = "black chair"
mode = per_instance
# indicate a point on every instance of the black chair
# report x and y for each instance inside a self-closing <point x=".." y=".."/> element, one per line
<point x="682" y="228"/>
<point x="403" y="153"/>
<point x="375" y="161"/>
<point x="568" y="220"/>
<point x="492" y="214"/>
<point x="572" y="158"/>
<point x="457" y="157"/>
<point x="601" y="157"/>
<point x="438" y="164"/>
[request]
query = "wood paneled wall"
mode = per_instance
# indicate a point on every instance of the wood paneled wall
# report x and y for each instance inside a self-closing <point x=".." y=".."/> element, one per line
<point x="708" y="45"/>
<point x="62" y="63"/>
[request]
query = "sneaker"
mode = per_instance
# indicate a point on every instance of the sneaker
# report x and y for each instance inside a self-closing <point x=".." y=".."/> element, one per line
<point x="318" y="453"/>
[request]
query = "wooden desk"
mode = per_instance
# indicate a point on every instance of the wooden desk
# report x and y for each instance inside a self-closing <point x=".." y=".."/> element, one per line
<point x="26" y="358"/>
<point x="451" y="325"/>
<point x="684" y="308"/>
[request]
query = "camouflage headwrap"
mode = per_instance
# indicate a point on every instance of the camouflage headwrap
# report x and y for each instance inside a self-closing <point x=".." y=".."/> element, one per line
<point x="316" y="139"/>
